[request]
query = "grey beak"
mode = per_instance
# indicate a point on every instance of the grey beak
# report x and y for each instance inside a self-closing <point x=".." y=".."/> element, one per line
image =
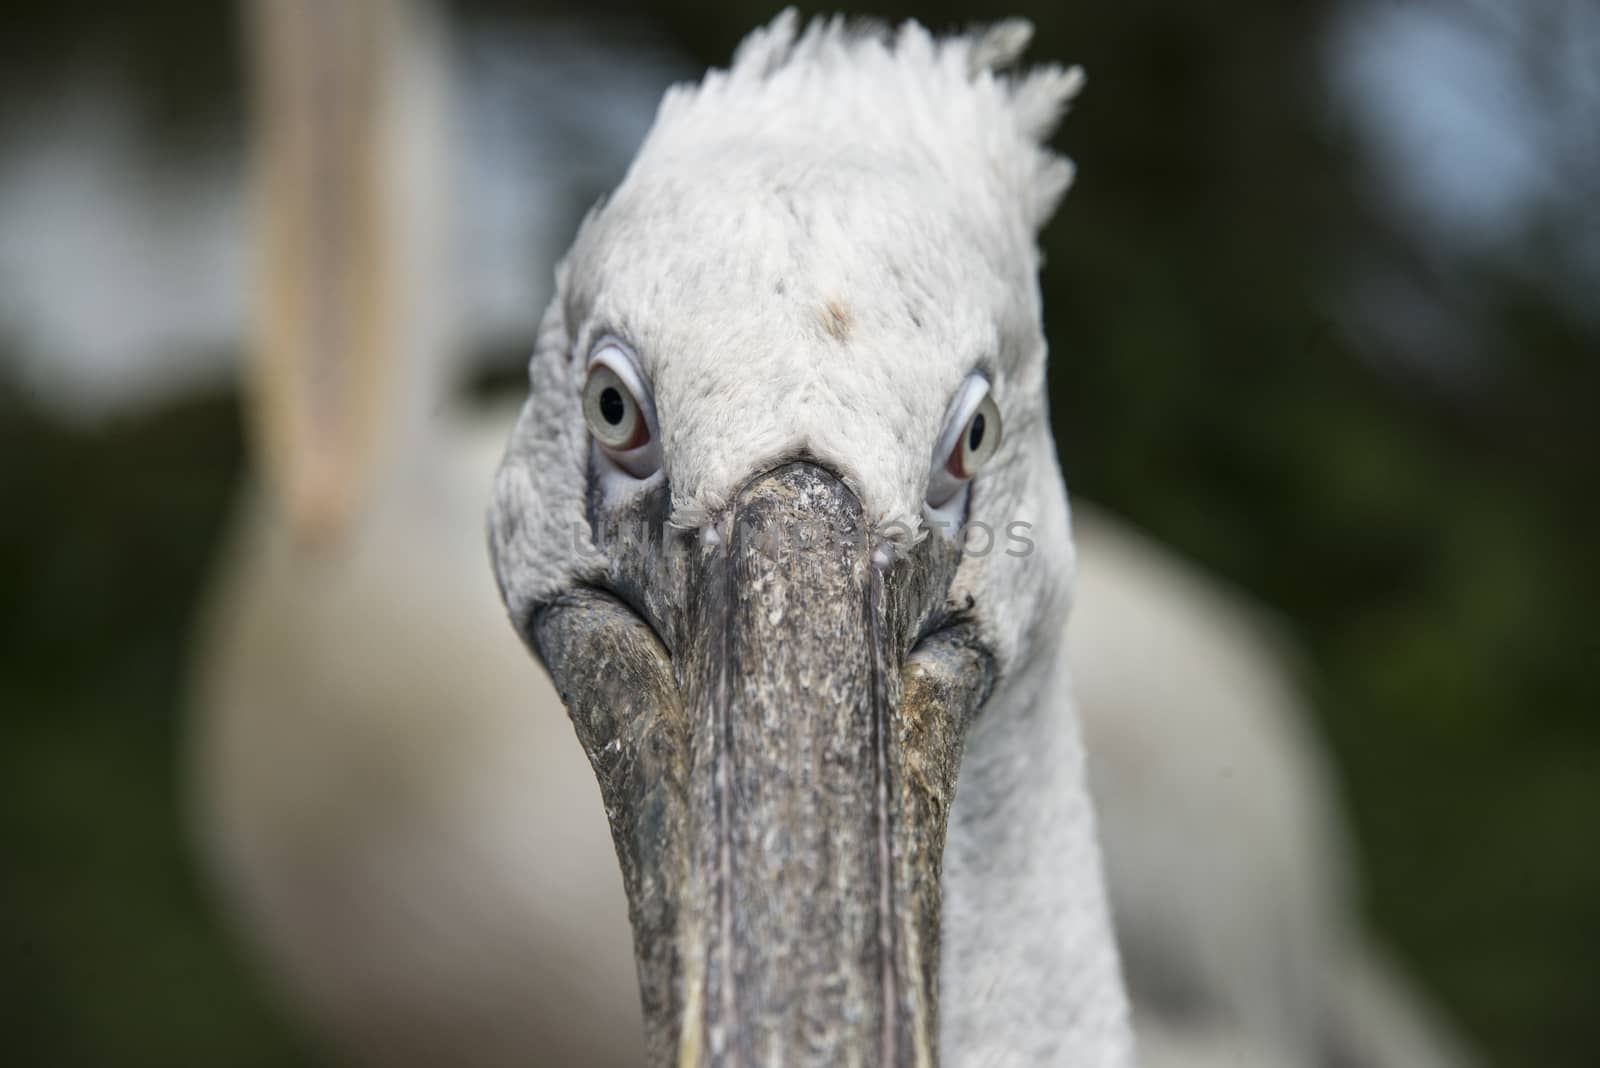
<point x="777" y="766"/>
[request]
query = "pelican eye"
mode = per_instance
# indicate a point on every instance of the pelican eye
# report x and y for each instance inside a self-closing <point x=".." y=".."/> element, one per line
<point x="970" y="436"/>
<point x="620" y="411"/>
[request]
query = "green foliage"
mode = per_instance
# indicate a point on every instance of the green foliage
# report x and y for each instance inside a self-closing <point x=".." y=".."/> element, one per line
<point x="109" y="952"/>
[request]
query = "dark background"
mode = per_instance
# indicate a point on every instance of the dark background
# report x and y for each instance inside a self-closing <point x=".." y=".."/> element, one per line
<point x="1420" y="512"/>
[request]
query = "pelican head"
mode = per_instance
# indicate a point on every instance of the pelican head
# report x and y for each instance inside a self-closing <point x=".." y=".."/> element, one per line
<point x="783" y="520"/>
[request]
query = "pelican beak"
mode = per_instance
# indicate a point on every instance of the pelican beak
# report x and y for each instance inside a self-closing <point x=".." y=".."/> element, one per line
<point x="776" y="723"/>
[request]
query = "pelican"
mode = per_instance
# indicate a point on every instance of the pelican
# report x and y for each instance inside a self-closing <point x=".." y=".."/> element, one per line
<point x="792" y="359"/>
<point x="394" y="831"/>
<point x="388" y="791"/>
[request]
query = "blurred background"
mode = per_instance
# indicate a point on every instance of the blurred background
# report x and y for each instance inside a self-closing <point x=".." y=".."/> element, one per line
<point x="1324" y="310"/>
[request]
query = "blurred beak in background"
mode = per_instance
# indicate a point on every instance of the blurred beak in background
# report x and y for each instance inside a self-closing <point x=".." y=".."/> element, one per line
<point x="343" y="99"/>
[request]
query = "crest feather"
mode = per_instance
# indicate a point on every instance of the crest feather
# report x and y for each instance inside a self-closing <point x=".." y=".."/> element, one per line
<point x="949" y="97"/>
<point x="999" y="46"/>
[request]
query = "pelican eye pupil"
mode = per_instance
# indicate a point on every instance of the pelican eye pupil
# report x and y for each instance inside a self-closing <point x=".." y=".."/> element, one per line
<point x="612" y="408"/>
<point x="975" y="434"/>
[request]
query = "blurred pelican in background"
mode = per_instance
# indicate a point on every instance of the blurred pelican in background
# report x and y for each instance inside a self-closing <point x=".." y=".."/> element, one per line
<point x="382" y="778"/>
<point x="388" y="792"/>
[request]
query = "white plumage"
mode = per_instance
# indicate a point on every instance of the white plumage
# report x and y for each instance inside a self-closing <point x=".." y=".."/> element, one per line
<point x="810" y="253"/>
<point x="392" y="795"/>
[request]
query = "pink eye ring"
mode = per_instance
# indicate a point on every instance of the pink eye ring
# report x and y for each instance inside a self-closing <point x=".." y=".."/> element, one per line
<point x="620" y="412"/>
<point x="971" y="435"/>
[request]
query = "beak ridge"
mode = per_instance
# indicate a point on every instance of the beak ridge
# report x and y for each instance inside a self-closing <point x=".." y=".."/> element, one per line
<point x="778" y="786"/>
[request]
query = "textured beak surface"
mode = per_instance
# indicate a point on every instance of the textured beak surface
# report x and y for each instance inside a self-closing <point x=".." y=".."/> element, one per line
<point x="777" y="764"/>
